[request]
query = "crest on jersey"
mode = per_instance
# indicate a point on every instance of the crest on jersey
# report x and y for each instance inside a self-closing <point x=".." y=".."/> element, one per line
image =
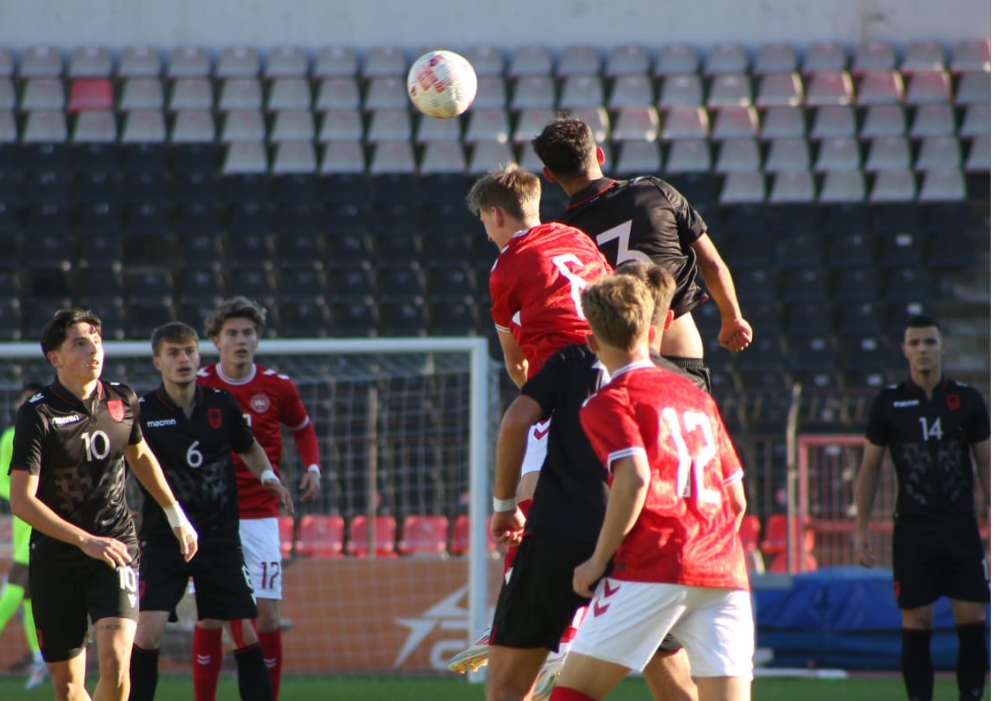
<point x="116" y="409"/>
<point x="952" y="401"/>
<point x="214" y="417"/>
<point x="259" y="403"/>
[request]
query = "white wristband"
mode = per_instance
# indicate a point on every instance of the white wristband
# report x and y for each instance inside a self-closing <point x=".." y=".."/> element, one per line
<point x="505" y="504"/>
<point x="176" y="516"/>
<point x="268" y="475"/>
<point x="316" y="469"/>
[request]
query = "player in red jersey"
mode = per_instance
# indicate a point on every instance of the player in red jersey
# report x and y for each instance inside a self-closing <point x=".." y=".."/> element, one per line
<point x="671" y="526"/>
<point x="535" y="287"/>
<point x="269" y="400"/>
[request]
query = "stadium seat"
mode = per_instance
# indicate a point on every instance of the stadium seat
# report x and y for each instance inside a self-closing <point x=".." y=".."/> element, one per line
<point x="459" y="544"/>
<point x="386" y="93"/>
<point x="783" y="123"/>
<point x="730" y="90"/>
<point x="577" y="60"/>
<point x="530" y="60"/>
<point x="42" y="94"/>
<point x="304" y="319"/>
<point x="888" y="154"/>
<point x="737" y="155"/>
<point x="942" y="185"/>
<point x="928" y="88"/>
<point x="238" y="62"/>
<point x="974" y="88"/>
<point x="139" y="61"/>
<point x="860" y="320"/>
<point x="676" y="59"/>
<point x="979" y="157"/>
<point x="971" y="55"/>
<point x="443" y="157"/>
<point x="40" y="62"/>
<point x="939" y="153"/>
<point x="193" y="93"/>
<point x="787" y="155"/>
<point x="321" y="536"/>
<point x="424" y="535"/>
<point x="95" y="127"/>
<point x="824" y="56"/>
<point x="627" y="59"/>
<point x="893" y="186"/>
<point x="302" y="286"/>
<point x="6" y="63"/>
<point x="384" y="536"/>
<point x="725" y="58"/>
<point x="294" y="157"/>
<point x="758" y="285"/>
<point x="188" y="62"/>
<point x="286" y="62"/>
<point x="883" y="121"/>
<point x="976" y="122"/>
<point x="487" y="61"/>
<point x="684" y="122"/>
<point x="392" y="157"/>
<point x="581" y="91"/>
<point x="806" y="562"/>
<point x="828" y="88"/>
<point x="530" y="124"/>
<point x="289" y="93"/>
<point x="743" y="188"/>
<point x="833" y="121"/>
<point x="734" y="123"/>
<point x="354" y="320"/>
<point x="885" y="87"/>
<point x="240" y="94"/>
<point x="681" y="90"/>
<point x="639" y="157"/>
<point x="383" y="61"/>
<point x="142" y="94"/>
<point x="389" y="124"/>
<point x="143" y="126"/>
<point x="874" y="56"/>
<point x="780" y="90"/>
<point x="636" y="124"/>
<point x="792" y="187"/>
<point x="336" y="61"/>
<point x="775" y="58"/>
<point x="340" y="93"/>
<point x="485" y="155"/>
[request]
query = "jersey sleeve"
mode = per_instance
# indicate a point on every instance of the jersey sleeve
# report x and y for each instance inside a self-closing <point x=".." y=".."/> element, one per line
<point x="689" y="223"/>
<point x="293" y="414"/>
<point x="877" y="431"/>
<point x="544" y="386"/>
<point x="502" y="298"/>
<point x="29" y="437"/>
<point x="611" y="430"/>
<point x="979" y="428"/>
<point x="240" y="435"/>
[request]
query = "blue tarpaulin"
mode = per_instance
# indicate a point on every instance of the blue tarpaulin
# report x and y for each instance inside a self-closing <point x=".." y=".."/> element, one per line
<point x="844" y="617"/>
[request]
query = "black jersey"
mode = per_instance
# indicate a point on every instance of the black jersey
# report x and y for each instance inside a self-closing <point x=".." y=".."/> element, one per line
<point x="643" y="219"/>
<point x="77" y="449"/>
<point x="571" y="495"/>
<point x="929" y="442"/>
<point x="195" y="454"/>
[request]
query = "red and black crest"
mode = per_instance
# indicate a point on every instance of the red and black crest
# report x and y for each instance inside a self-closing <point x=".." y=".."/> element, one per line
<point x="116" y="409"/>
<point x="214" y="416"/>
<point x="952" y="401"/>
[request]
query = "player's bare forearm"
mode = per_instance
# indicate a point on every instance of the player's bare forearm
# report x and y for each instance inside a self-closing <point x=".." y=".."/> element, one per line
<point x="624" y="504"/>
<point x="512" y="440"/>
<point x="735" y="333"/>
<point x="514" y="359"/>
<point x="982" y="457"/>
<point x="866" y="483"/>
<point x="306" y="439"/>
<point x="149" y="473"/>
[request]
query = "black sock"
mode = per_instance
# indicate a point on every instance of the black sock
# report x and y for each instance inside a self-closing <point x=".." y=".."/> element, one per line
<point x="253" y="677"/>
<point x="144" y="674"/>
<point x="916" y="663"/>
<point x="971" y="661"/>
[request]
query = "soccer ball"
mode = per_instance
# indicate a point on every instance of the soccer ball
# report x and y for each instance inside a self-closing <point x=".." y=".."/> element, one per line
<point x="442" y="84"/>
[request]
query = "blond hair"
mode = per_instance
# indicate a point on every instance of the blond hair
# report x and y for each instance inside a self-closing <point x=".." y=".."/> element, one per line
<point x="619" y="310"/>
<point x="235" y="308"/>
<point x="659" y="281"/>
<point x="515" y="191"/>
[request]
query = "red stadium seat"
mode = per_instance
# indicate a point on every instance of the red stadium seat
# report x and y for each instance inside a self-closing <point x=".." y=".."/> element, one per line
<point x="460" y="537"/>
<point x="91" y="94"/>
<point x="749" y="535"/>
<point x="806" y="563"/>
<point x="774" y="545"/>
<point x="286" y="535"/>
<point x="384" y="539"/>
<point x="321" y="536"/>
<point x="424" y="535"/>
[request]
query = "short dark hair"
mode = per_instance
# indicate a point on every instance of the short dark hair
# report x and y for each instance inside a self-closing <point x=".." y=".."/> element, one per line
<point x="57" y="330"/>
<point x="175" y="332"/>
<point x="566" y="146"/>
<point x="922" y="321"/>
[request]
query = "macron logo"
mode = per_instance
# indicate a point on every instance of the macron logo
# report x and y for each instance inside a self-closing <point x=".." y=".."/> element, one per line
<point x="905" y="403"/>
<point x="63" y="420"/>
<point x="160" y="423"/>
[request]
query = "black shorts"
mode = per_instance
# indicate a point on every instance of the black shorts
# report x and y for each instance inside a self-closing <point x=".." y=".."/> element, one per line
<point x="221" y="581"/>
<point x="537" y="602"/>
<point x="695" y="367"/>
<point x="65" y="593"/>
<point x="938" y="560"/>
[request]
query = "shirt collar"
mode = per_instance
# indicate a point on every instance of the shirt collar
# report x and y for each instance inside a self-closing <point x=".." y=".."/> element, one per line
<point x="244" y="381"/>
<point x="592" y="191"/>
<point x="632" y="366"/>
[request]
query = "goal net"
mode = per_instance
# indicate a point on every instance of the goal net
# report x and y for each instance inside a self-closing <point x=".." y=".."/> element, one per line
<point x="406" y="428"/>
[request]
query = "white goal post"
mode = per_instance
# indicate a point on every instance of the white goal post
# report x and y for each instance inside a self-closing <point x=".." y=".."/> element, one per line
<point x="445" y="387"/>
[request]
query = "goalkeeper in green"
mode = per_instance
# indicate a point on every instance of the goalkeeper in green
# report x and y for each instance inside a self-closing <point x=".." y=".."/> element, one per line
<point x="15" y="592"/>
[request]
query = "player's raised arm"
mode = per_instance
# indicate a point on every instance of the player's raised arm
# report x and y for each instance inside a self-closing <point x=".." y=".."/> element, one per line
<point x="256" y="460"/>
<point x="148" y="471"/>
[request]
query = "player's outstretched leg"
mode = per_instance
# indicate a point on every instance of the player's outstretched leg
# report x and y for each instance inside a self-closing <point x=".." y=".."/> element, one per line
<point x="474" y="656"/>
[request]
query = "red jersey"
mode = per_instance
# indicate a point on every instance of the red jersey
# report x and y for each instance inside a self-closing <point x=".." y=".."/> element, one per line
<point x="535" y="286"/>
<point x="686" y="531"/>
<point x="268" y="399"/>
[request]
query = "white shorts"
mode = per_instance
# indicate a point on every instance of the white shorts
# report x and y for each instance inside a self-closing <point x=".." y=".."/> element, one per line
<point x="627" y="621"/>
<point x="538" y="446"/>
<point x="261" y="548"/>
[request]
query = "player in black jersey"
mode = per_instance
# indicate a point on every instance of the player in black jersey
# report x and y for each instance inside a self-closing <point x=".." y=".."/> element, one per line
<point x="932" y="425"/>
<point x="537" y="602"/>
<point x="193" y="431"/>
<point x="644" y="219"/>
<point x="67" y="482"/>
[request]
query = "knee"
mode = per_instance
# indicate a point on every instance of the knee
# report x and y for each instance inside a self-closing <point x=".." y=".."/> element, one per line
<point x="114" y="669"/>
<point x="269" y="619"/>
<point x="66" y="689"/>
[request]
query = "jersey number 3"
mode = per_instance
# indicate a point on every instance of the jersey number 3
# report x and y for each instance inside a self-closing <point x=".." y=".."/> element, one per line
<point x="623" y="233"/>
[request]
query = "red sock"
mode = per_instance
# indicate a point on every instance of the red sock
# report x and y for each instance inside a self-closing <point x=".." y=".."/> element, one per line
<point x="272" y="650"/>
<point x="208" y="654"/>
<point x="513" y="550"/>
<point x="561" y="693"/>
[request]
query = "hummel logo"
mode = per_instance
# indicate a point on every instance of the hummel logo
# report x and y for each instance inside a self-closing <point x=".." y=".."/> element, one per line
<point x="507" y="575"/>
<point x="203" y="659"/>
<point x="271" y="662"/>
<point x="542" y="430"/>
<point x="608" y="590"/>
<point x="598" y="609"/>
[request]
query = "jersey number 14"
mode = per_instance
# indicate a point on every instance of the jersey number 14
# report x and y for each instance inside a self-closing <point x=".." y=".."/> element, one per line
<point x="933" y="431"/>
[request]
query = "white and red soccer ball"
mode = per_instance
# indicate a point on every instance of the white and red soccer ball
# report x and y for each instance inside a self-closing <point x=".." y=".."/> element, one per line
<point x="441" y="84"/>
